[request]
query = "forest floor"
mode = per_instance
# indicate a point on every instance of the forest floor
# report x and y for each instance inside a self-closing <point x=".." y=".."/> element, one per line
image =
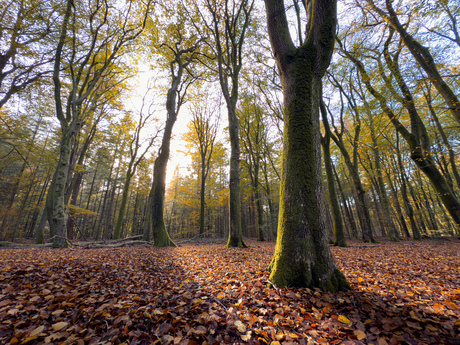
<point x="404" y="293"/>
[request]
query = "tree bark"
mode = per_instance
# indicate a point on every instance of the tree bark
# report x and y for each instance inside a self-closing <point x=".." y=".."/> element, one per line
<point x="302" y="254"/>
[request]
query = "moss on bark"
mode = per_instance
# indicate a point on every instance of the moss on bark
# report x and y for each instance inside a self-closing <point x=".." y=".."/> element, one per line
<point x="302" y="254"/>
<point x="235" y="241"/>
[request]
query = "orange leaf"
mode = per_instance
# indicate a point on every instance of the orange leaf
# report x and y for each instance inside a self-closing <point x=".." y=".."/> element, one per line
<point x="344" y="320"/>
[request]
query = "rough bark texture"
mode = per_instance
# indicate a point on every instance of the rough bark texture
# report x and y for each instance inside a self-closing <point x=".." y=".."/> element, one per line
<point x="302" y="254"/>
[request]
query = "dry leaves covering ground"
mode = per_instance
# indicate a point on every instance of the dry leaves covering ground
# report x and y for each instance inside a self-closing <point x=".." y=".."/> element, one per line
<point x="407" y="293"/>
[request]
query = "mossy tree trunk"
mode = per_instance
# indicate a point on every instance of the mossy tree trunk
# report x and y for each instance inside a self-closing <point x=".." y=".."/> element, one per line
<point x="302" y="254"/>
<point x="58" y="216"/>
<point x="157" y="194"/>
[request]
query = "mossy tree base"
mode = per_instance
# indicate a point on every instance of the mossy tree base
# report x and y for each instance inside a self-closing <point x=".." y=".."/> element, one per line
<point x="161" y="238"/>
<point x="307" y="267"/>
<point x="235" y="241"/>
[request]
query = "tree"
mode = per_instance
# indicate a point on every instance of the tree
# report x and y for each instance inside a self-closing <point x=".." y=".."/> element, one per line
<point x="253" y="139"/>
<point x="228" y="26"/>
<point x="182" y="53"/>
<point x="421" y="53"/>
<point x="302" y="254"/>
<point x="339" y="233"/>
<point x="417" y="138"/>
<point x="203" y="137"/>
<point x="87" y="64"/>
<point x="352" y="162"/>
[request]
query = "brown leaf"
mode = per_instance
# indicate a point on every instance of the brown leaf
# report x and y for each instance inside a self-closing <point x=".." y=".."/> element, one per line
<point x="59" y="326"/>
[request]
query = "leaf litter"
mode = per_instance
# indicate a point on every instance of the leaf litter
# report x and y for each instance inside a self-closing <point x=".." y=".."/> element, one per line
<point x="405" y="293"/>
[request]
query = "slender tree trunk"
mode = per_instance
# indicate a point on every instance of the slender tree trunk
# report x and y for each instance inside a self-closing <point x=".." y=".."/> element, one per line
<point x="339" y="233"/>
<point x="88" y="202"/>
<point x="259" y="209"/>
<point x="73" y="201"/>
<point x="346" y="206"/>
<point x="361" y="200"/>
<point x="423" y="56"/>
<point x="418" y="140"/>
<point x="157" y="193"/>
<point x="124" y="201"/>
<point x="402" y="221"/>
<point x="58" y="217"/>
<point x="202" y="200"/>
<point x="381" y="190"/>
<point x="235" y="234"/>
<point x="409" y="210"/>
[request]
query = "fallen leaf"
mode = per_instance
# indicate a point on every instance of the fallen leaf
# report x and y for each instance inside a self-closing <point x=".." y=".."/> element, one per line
<point x="344" y="320"/>
<point x="240" y="326"/>
<point x="59" y="326"/>
<point x="360" y="335"/>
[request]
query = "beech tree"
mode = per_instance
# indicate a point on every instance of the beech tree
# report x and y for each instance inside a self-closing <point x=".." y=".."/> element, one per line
<point x="417" y="137"/>
<point x="180" y="49"/>
<point x="229" y="26"/>
<point x="88" y="54"/>
<point x="302" y="254"/>
<point x="339" y="234"/>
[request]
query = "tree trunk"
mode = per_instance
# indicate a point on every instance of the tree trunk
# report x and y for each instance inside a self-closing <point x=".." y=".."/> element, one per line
<point x="124" y="201"/>
<point x="73" y="201"/>
<point x="381" y="190"/>
<point x="235" y="234"/>
<point x="160" y="234"/>
<point x="58" y="217"/>
<point x="157" y="193"/>
<point x="302" y="254"/>
<point x="348" y="211"/>
<point x="402" y="221"/>
<point x="339" y="233"/>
